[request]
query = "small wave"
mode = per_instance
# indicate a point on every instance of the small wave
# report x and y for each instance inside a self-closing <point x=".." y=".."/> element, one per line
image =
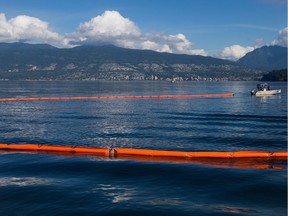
<point x="23" y="181"/>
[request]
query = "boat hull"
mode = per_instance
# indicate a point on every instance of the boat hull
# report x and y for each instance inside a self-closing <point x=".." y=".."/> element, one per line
<point x="265" y="93"/>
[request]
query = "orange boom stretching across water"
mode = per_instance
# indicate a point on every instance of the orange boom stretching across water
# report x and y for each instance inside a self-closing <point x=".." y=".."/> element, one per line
<point x="143" y="152"/>
<point x="117" y="97"/>
<point x="241" y="159"/>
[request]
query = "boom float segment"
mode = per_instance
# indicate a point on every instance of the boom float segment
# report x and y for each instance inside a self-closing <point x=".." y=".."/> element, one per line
<point x="144" y="152"/>
<point x="117" y="97"/>
<point x="51" y="148"/>
<point x="239" y="154"/>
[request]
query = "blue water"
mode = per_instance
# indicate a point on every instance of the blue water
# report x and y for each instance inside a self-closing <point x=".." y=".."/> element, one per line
<point x="57" y="184"/>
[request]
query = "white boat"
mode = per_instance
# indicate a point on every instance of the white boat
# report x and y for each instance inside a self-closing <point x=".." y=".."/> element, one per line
<point x="264" y="90"/>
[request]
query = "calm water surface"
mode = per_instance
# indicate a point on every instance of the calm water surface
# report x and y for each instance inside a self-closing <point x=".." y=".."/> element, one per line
<point x="50" y="184"/>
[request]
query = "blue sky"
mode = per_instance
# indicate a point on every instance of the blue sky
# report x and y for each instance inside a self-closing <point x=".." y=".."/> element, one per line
<point x="221" y="28"/>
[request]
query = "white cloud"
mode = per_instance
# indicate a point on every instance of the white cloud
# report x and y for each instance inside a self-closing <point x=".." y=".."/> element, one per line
<point x="171" y="44"/>
<point x="26" y="28"/>
<point x="179" y="44"/>
<point x="150" y="45"/>
<point x="5" y="30"/>
<point x="112" y="28"/>
<point x="282" y="38"/>
<point x="108" y="28"/>
<point x="234" y="52"/>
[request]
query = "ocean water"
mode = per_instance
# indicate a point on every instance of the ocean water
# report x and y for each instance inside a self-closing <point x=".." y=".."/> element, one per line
<point x="62" y="184"/>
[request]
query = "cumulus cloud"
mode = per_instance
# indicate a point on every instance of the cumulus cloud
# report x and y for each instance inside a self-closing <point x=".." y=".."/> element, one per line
<point x="108" y="28"/>
<point x="179" y="44"/>
<point x="234" y="52"/>
<point x="26" y="28"/>
<point x="282" y="38"/>
<point x="5" y="31"/>
<point x="171" y="44"/>
<point x="112" y="28"/>
<point x="150" y="45"/>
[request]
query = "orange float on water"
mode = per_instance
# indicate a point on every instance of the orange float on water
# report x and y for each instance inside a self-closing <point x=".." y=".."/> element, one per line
<point x="241" y="159"/>
<point x="144" y="152"/>
<point x="239" y="154"/>
<point x="52" y="148"/>
<point x="117" y="97"/>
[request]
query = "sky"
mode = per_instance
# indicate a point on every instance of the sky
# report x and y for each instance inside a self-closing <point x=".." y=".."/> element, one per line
<point x="226" y="29"/>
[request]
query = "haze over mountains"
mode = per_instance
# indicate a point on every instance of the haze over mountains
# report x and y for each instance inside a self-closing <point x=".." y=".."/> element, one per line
<point x="22" y="61"/>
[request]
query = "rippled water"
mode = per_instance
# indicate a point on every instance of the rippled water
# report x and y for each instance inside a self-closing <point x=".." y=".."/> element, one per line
<point x="51" y="184"/>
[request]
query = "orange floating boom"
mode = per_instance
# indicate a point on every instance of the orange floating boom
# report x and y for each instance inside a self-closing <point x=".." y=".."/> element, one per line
<point x="51" y="148"/>
<point x="144" y="152"/>
<point x="116" y="97"/>
<point x="239" y="154"/>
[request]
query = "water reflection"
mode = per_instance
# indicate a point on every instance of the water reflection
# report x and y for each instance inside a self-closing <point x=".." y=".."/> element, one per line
<point x="164" y="202"/>
<point x="266" y="98"/>
<point x="116" y="194"/>
<point x="235" y="210"/>
<point x="23" y="181"/>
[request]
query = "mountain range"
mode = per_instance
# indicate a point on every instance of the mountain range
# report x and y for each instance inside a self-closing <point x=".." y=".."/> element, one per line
<point x="22" y="61"/>
<point x="266" y="58"/>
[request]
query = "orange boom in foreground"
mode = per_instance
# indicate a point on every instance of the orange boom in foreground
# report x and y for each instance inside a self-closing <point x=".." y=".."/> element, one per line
<point x="143" y="152"/>
<point x="240" y="159"/>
